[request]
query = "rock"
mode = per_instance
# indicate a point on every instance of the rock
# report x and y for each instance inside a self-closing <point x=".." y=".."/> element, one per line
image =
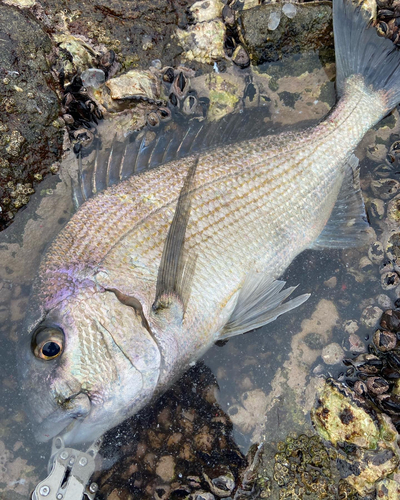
<point x="387" y="489"/>
<point x="310" y="29"/>
<point x="30" y="136"/>
<point x="206" y="10"/>
<point x="203" y="42"/>
<point x="356" y="344"/>
<point x="251" y="412"/>
<point x="331" y="282"/>
<point x="384" y="301"/>
<point x="350" y="326"/>
<point x="166" y="468"/>
<point x="332" y="354"/>
<point x="343" y="418"/>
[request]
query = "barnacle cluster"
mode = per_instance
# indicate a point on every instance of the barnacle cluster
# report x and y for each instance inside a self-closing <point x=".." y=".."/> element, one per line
<point x="303" y="466"/>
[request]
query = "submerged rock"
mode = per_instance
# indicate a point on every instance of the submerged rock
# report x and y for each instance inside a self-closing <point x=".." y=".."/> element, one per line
<point x="267" y="36"/>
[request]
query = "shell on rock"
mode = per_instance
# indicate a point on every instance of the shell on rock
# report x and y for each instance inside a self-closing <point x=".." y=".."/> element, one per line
<point x="135" y="85"/>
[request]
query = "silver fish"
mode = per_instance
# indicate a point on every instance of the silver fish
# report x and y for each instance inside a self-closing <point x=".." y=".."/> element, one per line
<point x="149" y="273"/>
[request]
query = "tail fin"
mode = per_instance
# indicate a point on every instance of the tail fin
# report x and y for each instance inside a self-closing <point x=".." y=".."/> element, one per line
<point x="361" y="51"/>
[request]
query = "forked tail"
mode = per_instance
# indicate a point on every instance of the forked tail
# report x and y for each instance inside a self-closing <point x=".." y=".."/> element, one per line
<point x="361" y="51"/>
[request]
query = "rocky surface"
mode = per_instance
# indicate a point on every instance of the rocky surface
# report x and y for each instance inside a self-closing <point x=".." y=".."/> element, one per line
<point x="30" y="135"/>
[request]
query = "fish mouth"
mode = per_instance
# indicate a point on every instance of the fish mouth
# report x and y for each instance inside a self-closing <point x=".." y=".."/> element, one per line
<point x="78" y="408"/>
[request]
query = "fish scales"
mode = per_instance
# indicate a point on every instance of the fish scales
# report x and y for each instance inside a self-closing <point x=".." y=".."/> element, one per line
<point x="248" y="209"/>
<point x="233" y="188"/>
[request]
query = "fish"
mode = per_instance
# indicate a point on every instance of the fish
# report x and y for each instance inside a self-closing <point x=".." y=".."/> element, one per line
<point x="153" y="270"/>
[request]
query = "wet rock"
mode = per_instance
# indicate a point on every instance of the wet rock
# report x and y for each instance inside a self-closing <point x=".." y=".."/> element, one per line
<point x="387" y="489"/>
<point x="169" y="446"/>
<point x="332" y="354"/>
<point x="119" y="26"/>
<point x="331" y="282"/>
<point x="203" y="42"/>
<point x="165" y="468"/>
<point x="206" y="10"/>
<point x="251" y="412"/>
<point x="310" y="29"/>
<point x="355" y="343"/>
<point x="30" y="136"/>
<point x="343" y="418"/>
<point x="350" y="326"/>
<point x="384" y="301"/>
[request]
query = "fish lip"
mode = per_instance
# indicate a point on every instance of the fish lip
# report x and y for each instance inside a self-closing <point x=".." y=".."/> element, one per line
<point x="59" y="420"/>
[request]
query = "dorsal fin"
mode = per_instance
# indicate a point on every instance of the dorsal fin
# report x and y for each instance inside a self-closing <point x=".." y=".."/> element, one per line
<point x="347" y="226"/>
<point x="173" y="140"/>
<point x="176" y="269"/>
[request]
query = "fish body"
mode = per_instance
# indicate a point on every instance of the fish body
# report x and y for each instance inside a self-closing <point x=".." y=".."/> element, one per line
<point x="254" y="206"/>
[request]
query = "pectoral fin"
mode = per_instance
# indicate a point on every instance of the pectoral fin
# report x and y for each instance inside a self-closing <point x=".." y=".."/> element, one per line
<point x="347" y="226"/>
<point x="177" y="268"/>
<point x="260" y="301"/>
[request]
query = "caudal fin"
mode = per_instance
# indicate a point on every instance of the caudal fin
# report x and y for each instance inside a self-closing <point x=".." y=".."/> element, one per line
<point x="361" y="51"/>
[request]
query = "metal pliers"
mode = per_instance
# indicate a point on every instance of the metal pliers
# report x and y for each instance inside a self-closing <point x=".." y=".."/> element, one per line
<point x="70" y="472"/>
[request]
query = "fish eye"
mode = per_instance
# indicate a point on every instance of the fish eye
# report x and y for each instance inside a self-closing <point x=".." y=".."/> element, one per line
<point x="48" y="343"/>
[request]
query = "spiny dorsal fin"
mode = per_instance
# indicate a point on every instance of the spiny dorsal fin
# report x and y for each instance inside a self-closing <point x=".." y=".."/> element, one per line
<point x="173" y="140"/>
<point x="260" y="301"/>
<point x="176" y="270"/>
<point x="347" y="226"/>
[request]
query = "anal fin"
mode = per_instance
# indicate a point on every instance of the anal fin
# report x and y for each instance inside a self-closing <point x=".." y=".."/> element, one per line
<point x="347" y="226"/>
<point x="260" y="301"/>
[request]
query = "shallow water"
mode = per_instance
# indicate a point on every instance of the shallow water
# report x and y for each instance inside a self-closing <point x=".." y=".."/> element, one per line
<point x="266" y="379"/>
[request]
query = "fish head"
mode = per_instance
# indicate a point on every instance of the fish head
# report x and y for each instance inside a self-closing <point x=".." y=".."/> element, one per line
<point x="87" y="364"/>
